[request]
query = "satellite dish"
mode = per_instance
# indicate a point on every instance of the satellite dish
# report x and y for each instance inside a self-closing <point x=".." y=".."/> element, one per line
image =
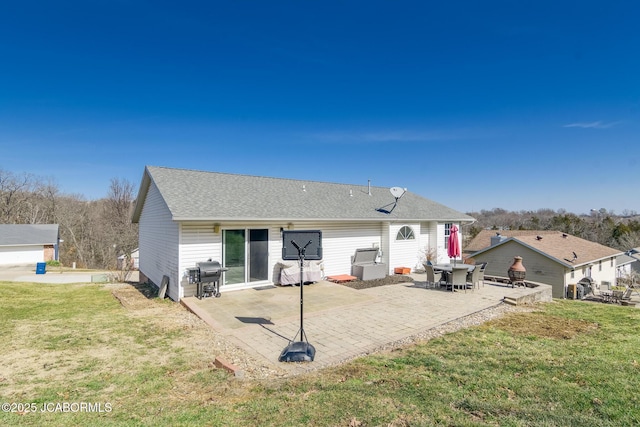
<point x="397" y="192"/>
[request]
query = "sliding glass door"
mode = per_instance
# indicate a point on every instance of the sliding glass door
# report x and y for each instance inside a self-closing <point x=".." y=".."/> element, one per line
<point x="245" y="255"/>
<point x="258" y="255"/>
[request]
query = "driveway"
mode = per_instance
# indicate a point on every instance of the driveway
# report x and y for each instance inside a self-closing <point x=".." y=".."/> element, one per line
<point x="53" y="275"/>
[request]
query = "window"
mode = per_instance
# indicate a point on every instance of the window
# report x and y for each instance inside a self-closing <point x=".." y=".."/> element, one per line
<point x="405" y="233"/>
<point x="447" y="232"/>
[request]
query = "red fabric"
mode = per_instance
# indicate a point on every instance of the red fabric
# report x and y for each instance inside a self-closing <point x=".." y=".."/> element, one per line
<point x="453" y="249"/>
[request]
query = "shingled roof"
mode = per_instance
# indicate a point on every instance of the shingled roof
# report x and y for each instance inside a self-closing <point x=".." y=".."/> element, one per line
<point x="561" y="248"/>
<point x="483" y="238"/>
<point x="28" y="234"/>
<point x="211" y="196"/>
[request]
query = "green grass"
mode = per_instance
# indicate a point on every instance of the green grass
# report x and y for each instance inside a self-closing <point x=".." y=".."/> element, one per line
<point x="572" y="363"/>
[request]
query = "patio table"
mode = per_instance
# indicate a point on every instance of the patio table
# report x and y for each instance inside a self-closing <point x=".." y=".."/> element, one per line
<point x="612" y="296"/>
<point x="450" y="268"/>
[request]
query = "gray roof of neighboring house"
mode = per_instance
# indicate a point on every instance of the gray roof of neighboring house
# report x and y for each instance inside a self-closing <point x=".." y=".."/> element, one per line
<point x="28" y="234"/>
<point x="625" y="259"/>
<point x="634" y="253"/>
<point x="211" y="196"/>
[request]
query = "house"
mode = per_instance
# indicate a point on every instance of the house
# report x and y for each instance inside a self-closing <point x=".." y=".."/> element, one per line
<point x="631" y="267"/>
<point x="553" y="258"/>
<point x="625" y="264"/>
<point x="134" y="261"/>
<point x="188" y="216"/>
<point x="22" y="244"/>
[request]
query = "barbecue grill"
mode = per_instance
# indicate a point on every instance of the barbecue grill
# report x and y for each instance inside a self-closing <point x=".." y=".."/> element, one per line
<point x="206" y="275"/>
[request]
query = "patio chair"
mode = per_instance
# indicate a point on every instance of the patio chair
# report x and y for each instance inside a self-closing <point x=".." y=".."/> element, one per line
<point x="607" y="294"/>
<point x="483" y="267"/>
<point x="616" y="296"/>
<point x="473" y="277"/>
<point x="433" y="278"/>
<point x="458" y="278"/>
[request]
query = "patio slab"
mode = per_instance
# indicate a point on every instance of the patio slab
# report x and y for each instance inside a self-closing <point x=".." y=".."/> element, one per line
<point x="340" y="322"/>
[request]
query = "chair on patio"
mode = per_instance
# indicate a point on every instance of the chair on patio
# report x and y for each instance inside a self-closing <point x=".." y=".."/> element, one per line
<point x="473" y="277"/>
<point x="606" y="294"/>
<point x="483" y="267"/>
<point x="615" y="296"/>
<point x="458" y="278"/>
<point x="626" y="295"/>
<point x="433" y="278"/>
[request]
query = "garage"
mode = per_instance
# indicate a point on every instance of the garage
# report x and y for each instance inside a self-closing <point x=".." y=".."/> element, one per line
<point x="22" y="244"/>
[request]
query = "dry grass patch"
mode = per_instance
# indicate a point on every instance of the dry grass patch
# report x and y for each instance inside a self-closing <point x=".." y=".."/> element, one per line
<point x="542" y="325"/>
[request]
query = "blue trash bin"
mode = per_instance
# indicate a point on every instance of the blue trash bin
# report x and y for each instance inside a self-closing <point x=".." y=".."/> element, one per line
<point x="41" y="268"/>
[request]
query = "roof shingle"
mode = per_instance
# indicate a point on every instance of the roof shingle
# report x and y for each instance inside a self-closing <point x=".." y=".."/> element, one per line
<point x="28" y="234"/>
<point x="561" y="247"/>
<point x="199" y="195"/>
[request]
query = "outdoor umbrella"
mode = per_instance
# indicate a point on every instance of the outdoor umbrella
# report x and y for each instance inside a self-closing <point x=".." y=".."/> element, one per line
<point x="453" y="246"/>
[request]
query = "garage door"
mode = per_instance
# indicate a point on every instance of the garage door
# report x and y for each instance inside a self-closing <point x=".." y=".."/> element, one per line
<point x="16" y="255"/>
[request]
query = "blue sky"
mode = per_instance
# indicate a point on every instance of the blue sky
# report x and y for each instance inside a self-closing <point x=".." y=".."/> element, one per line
<point x="477" y="105"/>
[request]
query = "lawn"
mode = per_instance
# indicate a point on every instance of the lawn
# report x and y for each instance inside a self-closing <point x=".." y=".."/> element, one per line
<point x="73" y="355"/>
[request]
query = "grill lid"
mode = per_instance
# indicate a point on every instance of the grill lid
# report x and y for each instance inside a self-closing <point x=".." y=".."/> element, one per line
<point x="209" y="269"/>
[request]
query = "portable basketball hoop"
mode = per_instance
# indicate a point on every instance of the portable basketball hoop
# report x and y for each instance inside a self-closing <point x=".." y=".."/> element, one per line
<point x="302" y="350"/>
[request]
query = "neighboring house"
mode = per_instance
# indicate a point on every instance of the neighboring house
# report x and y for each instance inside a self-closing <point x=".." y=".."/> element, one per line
<point x="134" y="260"/>
<point x="187" y="216"/>
<point x="22" y="244"/>
<point x="625" y="265"/>
<point x="635" y="254"/>
<point x="553" y="258"/>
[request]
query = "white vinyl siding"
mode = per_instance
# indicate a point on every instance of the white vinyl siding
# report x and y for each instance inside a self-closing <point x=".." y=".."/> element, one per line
<point x="199" y="242"/>
<point x="404" y="253"/>
<point x="607" y="274"/>
<point x="158" y="243"/>
<point x="162" y="252"/>
<point x="16" y="255"/>
<point x="428" y="241"/>
<point x="340" y="241"/>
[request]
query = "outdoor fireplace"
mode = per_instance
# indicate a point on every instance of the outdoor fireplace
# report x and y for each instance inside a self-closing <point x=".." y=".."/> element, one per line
<point x="517" y="272"/>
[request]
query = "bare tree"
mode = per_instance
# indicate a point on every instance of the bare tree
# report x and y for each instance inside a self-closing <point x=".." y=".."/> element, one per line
<point x="73" y="215"/>
<point x="117" y="209"/>
<point x="26" y="198"/>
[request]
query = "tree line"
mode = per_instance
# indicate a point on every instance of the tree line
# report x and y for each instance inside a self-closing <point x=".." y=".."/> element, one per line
<point x="96" y="232"/>
<point x="93" y="232"/>
<point x="600" y="225"/>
